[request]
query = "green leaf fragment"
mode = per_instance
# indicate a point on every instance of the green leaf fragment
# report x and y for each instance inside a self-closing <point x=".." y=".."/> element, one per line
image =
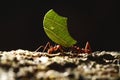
<point x="55" y="26"/>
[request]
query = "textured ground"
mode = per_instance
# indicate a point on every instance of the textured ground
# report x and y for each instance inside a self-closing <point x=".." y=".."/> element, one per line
<point x="28" y="65"/>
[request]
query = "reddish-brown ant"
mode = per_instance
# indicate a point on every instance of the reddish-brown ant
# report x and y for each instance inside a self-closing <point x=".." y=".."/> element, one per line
<point x="76" y="49"/>
<point x="51" y="49"/>
<point x="73" y="49"/>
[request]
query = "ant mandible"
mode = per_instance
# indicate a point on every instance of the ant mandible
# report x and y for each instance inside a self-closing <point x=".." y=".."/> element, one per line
<point x="73" y="49"/>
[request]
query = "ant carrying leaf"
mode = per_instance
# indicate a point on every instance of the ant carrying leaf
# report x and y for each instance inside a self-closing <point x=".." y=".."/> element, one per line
<point x="74" y="49"/>
<point x="55" y="26"/>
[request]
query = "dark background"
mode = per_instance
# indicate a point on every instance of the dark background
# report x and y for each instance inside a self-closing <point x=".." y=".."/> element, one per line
<point x="88" y="20"/>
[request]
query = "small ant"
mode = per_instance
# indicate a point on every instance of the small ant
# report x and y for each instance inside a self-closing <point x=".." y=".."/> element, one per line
<point x="73" y="49"/>
<point x="51" y="49"/>
<point x="87" y="49"/>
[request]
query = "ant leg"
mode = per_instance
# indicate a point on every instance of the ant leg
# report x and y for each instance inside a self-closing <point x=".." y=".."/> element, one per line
<point x="88" y="48"/>
<point x="38" y="48"/>
<point x="47" y="45"/>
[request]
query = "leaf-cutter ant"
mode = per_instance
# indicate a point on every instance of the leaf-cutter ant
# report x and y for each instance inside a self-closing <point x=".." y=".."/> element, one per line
<point x="74" y="49"/>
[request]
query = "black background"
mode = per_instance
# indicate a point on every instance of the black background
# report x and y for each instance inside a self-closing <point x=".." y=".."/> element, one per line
<point x="88" y="20"/>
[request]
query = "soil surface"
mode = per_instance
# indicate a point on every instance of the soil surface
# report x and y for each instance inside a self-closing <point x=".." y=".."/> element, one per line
<point x="28" y="65"/>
